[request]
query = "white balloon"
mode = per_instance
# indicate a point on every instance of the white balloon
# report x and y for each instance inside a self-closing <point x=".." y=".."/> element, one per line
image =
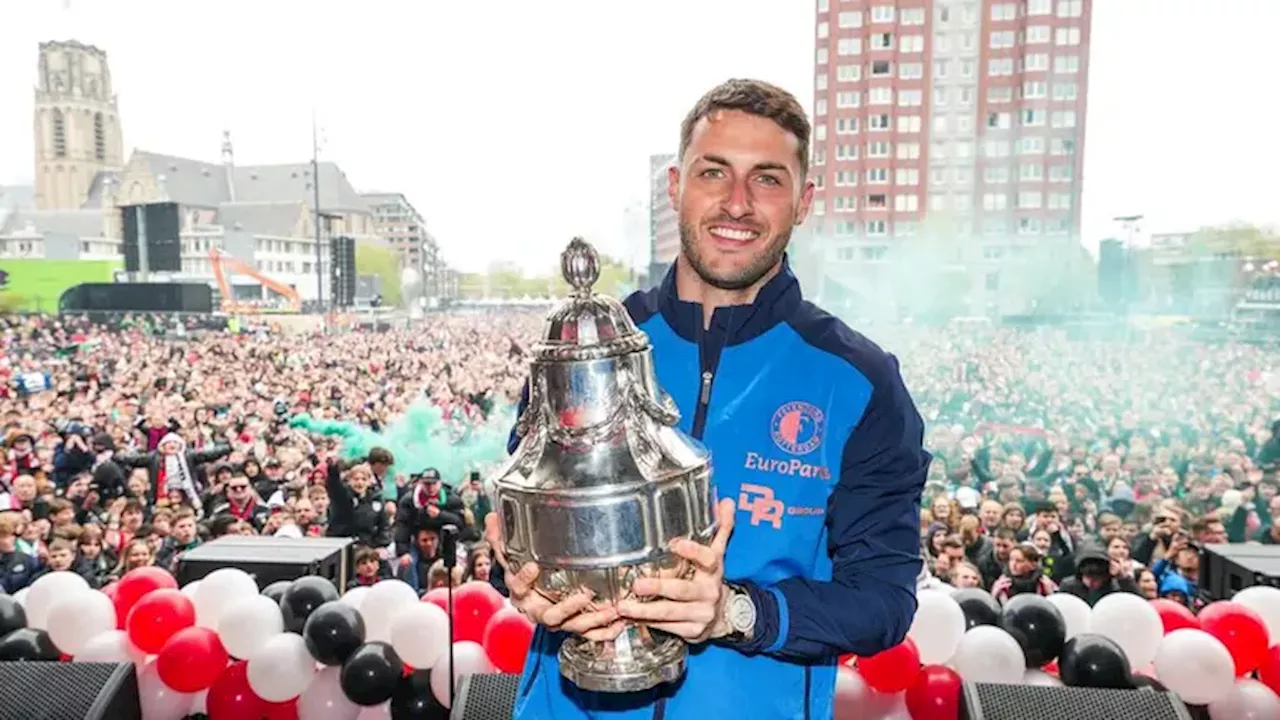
<point x="1264" y="600"/>
<point x="159" y="701"/>
<point x="1074" y="611"/>
<point x="46" y="590"/>
<point x="77" y="618"/>
<point x="324" y="699"/>
<point x="110" y="646"/>
<point x="355" y="596"/>
<point x="1196" y="666"/>
<point x="1132" y="623"/>
<point x="200" y="703"/>
<point x="190" y="589"/>
<point x="1040" y="678"/>
<point x="420" y="634"/>
<point x="248" y="624"/>
<point x="988" y="654"/>
<point x="20" y="597"/>
<point x="380" y="606"/>
<point x="469" y="658"/>
<point x="218" y="591"/>
<point x="855" y="700"/>
<point x="376" y="712"/>
<point x="937" y="627"/>
<point x="1248" y="700"/>
<point x="282" y="668"/>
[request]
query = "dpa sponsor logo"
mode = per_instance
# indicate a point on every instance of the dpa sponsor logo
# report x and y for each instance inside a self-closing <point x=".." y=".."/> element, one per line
<point x="793" y="467"/>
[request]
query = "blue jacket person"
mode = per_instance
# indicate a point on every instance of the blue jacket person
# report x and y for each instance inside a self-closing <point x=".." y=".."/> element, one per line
<point x="816" y="443"/>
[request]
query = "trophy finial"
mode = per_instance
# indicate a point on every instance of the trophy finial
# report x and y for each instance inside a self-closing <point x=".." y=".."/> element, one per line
<point x="580" y="266"/>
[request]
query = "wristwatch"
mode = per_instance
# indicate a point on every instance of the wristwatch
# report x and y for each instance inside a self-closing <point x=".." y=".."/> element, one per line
<point x="740" y="613"/>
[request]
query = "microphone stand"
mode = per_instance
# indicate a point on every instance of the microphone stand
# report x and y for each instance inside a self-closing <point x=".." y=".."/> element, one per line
<point x="449" y="545"/>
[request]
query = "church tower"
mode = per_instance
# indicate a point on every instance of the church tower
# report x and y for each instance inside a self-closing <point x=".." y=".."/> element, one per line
<point x="77" y="127"/>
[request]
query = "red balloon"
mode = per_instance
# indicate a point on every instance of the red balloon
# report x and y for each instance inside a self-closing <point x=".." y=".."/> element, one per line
<point x="110" y="590"/>
<point x="156" y="617"/>
<point x="1269" y="671"/>
<point x="1242" y="630"/>
<point x="1051" y="667"/>
<point x="1175" y="615"/>
<point x="474" y="603"/>
<point x="440" y="597"/>
<point x="851" y="660"/>
<point x="935" y="694"/>
<point x="506" y="640"/>
<point x="137" y="584"/>
<point x="191" y="660"/>
<point x="231" y="698"/>
<point x="892" y="670"/>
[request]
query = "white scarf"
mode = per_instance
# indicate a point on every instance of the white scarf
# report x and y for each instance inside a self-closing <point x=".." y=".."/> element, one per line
<point x="176" y="472"/>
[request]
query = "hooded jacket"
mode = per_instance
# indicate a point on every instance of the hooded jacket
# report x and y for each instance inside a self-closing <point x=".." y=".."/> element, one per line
<point x="1075" y="585"/>
<point x="816" y="440"/>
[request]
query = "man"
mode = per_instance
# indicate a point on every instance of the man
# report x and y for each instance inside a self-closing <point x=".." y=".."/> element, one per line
<point x="428" y="503"/>
<point x="1097" y="576"/>
<point x="825" y="558"/>
<point x="996" y="563"/>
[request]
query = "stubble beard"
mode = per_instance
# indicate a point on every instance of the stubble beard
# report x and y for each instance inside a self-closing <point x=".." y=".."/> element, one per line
<point x="736" y="280"/>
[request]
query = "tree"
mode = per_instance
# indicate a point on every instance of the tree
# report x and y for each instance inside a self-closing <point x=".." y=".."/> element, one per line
<point x="373" y="258"/>
<point x="1238" y="239"/>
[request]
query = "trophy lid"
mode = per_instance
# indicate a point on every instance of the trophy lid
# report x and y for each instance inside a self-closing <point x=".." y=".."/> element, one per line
<point x="587" y="326"/>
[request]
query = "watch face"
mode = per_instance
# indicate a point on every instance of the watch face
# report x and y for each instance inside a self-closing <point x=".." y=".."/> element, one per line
<point x="742" y="613"/>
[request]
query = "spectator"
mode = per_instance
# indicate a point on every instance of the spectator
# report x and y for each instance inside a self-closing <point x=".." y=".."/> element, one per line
<point x="357" y="508"/>
<point x="1024" y="575"/>
<point x="1097" y="576"/>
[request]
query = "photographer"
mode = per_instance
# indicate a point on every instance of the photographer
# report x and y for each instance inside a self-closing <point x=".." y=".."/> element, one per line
<point x="1156" y="544"/>
<point x="73" y="455"/>
<point x="1179" y="566"/>
<point x="1097" y="576"/>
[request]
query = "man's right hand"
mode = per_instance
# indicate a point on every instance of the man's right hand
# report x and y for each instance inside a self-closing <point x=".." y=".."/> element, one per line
<point x="576" y="613"/>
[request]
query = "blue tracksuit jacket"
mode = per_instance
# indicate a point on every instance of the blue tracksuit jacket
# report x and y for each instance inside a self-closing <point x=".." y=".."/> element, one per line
<point x="814" y="436"/>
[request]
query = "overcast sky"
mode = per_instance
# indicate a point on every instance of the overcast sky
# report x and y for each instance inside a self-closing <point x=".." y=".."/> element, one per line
<point x="513" y="125"/>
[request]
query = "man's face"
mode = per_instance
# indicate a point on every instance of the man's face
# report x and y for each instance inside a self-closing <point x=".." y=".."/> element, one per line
<point x="1214" y="533"/>
<point x="428" y="541"/>
<point x="738" y="192"/>
<point x="1003" y="546"/>
<point x="60" y="559"/>
<point x="990" y="514"/>
<point x="184" y="530"/>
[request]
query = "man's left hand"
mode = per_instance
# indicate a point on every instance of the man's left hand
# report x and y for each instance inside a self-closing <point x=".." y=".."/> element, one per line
<point x="691" y="609"/>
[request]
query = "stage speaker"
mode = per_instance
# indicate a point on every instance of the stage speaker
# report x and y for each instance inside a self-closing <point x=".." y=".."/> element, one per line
<point x="68" y="691"/>
<point x="164" y="237"/>
<point x="342" y="270"/>
<point x="1022" y="702"/>
<point x="269" y="559"/>
<point x="487" y="697"/>
<point x="159" y="226"/>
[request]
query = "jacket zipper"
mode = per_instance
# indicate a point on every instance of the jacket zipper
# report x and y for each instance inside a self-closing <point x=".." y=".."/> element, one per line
<point x="704" y="398"/>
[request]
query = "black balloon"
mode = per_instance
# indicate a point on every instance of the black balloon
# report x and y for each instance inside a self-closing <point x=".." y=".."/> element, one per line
<point x="275" y="590"/>
<point x="413" y="699"/>
<point x="372" y="673"/>
<point x="978" y="606"/>
<point x="1094" y="661"/>
<point x="12" y="616"/>
<point x="333" y="632"/>
<point x="302" y="598"/>
<point x="1142" y="682"/>
<point x="28" y="644"/>
<point x="1037" y="625"/>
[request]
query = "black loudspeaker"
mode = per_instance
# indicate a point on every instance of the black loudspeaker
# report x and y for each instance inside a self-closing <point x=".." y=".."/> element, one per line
<point x="269" y="559"/>
<point x="159" y="225"/>
<point x="1022" y="702"/>
<point x="129" y="222"/>
<point x="342" y="270"/>
<point x="487" y="697"/>
<point x="164" y="237"/>
<point x="68" y="691"/>
<point x="1227" y="569"/>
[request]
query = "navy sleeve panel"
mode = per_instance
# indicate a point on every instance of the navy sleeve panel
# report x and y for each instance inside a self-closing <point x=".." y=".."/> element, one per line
<point x="641" y="305"/>
<point x="873" y="522"/>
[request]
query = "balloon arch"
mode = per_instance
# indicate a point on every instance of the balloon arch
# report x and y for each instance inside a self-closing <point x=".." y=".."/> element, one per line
<point x="1226" y="660"/>
<point x="297" y="650"/>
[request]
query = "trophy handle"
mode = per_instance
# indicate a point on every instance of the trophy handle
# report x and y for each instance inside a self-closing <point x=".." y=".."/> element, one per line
<point x="662" y="410"/>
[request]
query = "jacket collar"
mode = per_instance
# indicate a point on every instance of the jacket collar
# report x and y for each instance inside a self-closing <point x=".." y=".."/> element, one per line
<point x="776" y="301"/>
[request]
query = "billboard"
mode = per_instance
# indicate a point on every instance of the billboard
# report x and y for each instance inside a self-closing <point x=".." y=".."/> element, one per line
<point x="35" y="285"/>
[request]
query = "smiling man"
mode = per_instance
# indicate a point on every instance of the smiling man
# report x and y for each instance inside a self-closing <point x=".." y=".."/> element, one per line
<point x="817" y="450"/>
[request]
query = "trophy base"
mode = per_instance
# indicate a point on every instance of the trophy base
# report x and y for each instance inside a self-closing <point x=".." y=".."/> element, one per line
<point x="638" y="659"/>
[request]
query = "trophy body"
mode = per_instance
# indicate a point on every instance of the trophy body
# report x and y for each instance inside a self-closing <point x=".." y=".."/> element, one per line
<point x="602" y="481"/>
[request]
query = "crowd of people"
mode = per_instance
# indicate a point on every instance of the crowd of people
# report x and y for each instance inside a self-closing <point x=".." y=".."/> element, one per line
<point x="1090" y="466"/>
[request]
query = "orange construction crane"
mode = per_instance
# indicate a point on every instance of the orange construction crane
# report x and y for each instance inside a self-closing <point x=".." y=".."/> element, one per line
<point x="217" y="258"/>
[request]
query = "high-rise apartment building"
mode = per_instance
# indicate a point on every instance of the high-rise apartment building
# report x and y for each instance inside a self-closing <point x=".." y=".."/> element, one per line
<point x="952" y="128"/>
<point x="664" y="226"/>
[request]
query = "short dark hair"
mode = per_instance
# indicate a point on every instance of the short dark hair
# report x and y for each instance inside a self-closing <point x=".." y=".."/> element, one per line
<point x="754" y="97"/>
<point x="381" y="456"/>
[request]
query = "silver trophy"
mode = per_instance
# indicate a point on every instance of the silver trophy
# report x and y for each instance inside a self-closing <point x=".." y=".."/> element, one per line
<point x="602" y="481"/>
